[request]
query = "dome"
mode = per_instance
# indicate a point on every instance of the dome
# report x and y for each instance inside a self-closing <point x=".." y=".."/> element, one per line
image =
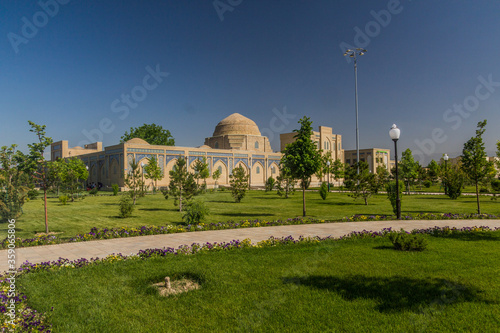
<point x="236" y="124"/>
<point x="138" y="141"/>
<point x="205" y="147"/>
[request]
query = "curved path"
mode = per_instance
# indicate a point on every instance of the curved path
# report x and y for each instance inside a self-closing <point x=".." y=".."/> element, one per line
<point x="132" y="245"/>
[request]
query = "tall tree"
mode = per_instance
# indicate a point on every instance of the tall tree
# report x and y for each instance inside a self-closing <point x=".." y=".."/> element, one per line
<point x="182" y="184"/>
<point x="72" y="173"/>
<point x="151" y="133"/>
<point x="133" y="180"/>
<point x="239" y="183"/>
<point x="13" y="184"/>
<point x="474" y="162"/>
<point x="153" y="171"/>
<point x="302" y="157"/>
<point x="408" y="168"/>
<point x="43" y="172"/>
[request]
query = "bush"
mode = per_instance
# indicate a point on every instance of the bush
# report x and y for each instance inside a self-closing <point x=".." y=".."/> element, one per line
<point x="392" y="194"/>
<point x="63" y="199"/>
<point x="116" y="189"/>
<point x="427" y="183"/>
<point x="195" y="212"/>
<point x="32" y="194"/>
<point x="483" y="190"/>
<point x="323" y="190"/>
<point x="495" y="185"/>
<point x="126" y="206"/>
<point x="94" y="191"/>
<point x="270" y="184"/>
<point x="403" y="241"/>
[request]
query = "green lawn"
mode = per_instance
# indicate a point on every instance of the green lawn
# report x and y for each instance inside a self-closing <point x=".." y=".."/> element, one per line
<point x="358" y="285"/>
<point x="102" y="211"/>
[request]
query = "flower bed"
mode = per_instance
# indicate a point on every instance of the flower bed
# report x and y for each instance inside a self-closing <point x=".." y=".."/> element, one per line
<point x="28" y="319"/>
<point x="109" y="233"/>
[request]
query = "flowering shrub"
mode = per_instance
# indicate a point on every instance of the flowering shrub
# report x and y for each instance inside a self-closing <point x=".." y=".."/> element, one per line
<point x="421" y="216"/>
<point x="37" y="240"/>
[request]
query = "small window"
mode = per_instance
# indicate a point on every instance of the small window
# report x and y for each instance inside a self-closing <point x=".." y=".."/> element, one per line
<point x="220" y="169"/>
<point x="216" y="145"/>
<point x="256" y="144"/>
<point x="258" y="169"/>
<point x="273" y="170"/>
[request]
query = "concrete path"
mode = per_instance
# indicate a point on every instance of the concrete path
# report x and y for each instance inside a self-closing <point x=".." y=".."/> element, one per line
<point x="132" y="245"/>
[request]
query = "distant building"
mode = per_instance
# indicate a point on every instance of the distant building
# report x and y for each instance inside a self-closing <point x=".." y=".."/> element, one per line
<point x="375" y="157"/>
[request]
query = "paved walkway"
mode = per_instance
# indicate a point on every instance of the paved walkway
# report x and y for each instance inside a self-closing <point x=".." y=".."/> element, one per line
<point x="132" y="245"/>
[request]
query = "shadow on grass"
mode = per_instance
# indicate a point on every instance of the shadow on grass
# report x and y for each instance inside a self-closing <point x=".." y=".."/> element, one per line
<point x="384" y="247"/>
<point x="246" y="214"/>
<point x="396" y="293"/>
<point x="157" y="209"/>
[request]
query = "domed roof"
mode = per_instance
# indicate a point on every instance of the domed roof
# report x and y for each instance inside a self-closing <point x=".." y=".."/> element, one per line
<point x="138" y="141"/>
<point x="236" y="124"/>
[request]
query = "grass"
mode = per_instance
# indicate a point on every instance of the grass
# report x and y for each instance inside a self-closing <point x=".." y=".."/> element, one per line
<point x="360" y="285"/>
<point x="102" y="211"/>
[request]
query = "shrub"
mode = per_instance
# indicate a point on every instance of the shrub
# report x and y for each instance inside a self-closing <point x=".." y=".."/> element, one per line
<point x="403" y="241"/>
<point x="195" y="212"/>
<point x="94" y="191"/>
<point x="323" y="190"/>
<point x="454" y="180"/>
<point x="392" y="194"/>
<point x="427" y="183"/>
<point x="63" y="199"/>
<point x="483" y="190"/>
<point x="116" y="189"/>
<point x="239" y="183"/>
<point x="32" y="194"/>
<point x="126" y="206"/>
<point x="495" y="185"/>
<point x="270" y="184"/>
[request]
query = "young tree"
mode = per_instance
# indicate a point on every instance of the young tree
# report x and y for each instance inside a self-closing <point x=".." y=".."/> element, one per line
<point x="498" y="155"/>
<point x="270" y="183"/>
<point x="151" y="133"/>
<point x="454" y="179"/>
<point x="182" y="185"/>
<point x="153" y="171"/>
<point x="337" y="170"/>
<point x="133" y="180"/>
<point x="408" y="169"/>
<point x="215" y="176"/>
<point x="285" y="184"/>
<point x="239" y="183"/>
<point x="382" y="177"/>
<point x="13" y="184"/>
<point x="302" y="157"/>
<point x="474" y="162"/>
<point x="71" y="172"/>
<point x="362" y="184"/>
<point x="433" y="171"/>
<point x="43" y="173"/>
<point x="201" y="170"/>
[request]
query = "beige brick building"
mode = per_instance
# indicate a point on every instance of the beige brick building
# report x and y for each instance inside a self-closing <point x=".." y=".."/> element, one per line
<point x="374" y="157"/>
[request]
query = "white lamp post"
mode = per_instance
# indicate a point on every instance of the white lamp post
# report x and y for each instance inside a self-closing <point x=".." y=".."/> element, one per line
<point x="445" y="158"/>
<point x="394" y="133"/>
<point x="353" y="54"/>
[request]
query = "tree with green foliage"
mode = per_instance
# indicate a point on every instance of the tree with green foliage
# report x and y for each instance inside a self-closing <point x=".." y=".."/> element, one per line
<point x="454" y="178"/>
<point x="408" y="169"/>
<point x="337" y="170"/>
<point x="474" y="162"/>
<point x="13" y="184"/>
<point x="151" y="133"/>
<point x="382" y="177"/>
<point x="153" y="171"/>
<point x="201" y="171"/>
<point x="215" y="176"/>
<point x="195" y="212"/>
<point x="285" y="183"/>
<point x="270" y="182"/>
<point x="362" y="184"/>
<point x="72" y="172"/>
<point x="392" y="194"/>
<point x="433" y="171"/>
<point x="43" y="173"/>
<point x="239" y="183"/>
<point x="323" y="190"/>
<point x="498" y="155"/>
<point x="302" y="157"/>
<point x="133" y="180"/>
<point x="182" y="185"/>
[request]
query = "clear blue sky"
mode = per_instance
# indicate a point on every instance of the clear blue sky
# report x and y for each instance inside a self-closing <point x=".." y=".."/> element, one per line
<point x="68" y="68"/>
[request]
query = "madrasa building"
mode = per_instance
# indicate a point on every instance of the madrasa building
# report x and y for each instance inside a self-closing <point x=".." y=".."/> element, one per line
<point x="236" y="141"/>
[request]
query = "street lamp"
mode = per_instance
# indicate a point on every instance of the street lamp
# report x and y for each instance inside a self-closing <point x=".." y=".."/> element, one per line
<point x="394" y="133"/>
<point x="445" y="158"/>
<point x="353" y="54"/>
<point x="328" y="167"/>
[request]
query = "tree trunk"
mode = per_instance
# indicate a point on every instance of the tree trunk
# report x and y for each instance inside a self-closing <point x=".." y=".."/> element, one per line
<point x="303" y="199"/>
<point x="477" y="196"/>
<point x="45" y="206"/>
